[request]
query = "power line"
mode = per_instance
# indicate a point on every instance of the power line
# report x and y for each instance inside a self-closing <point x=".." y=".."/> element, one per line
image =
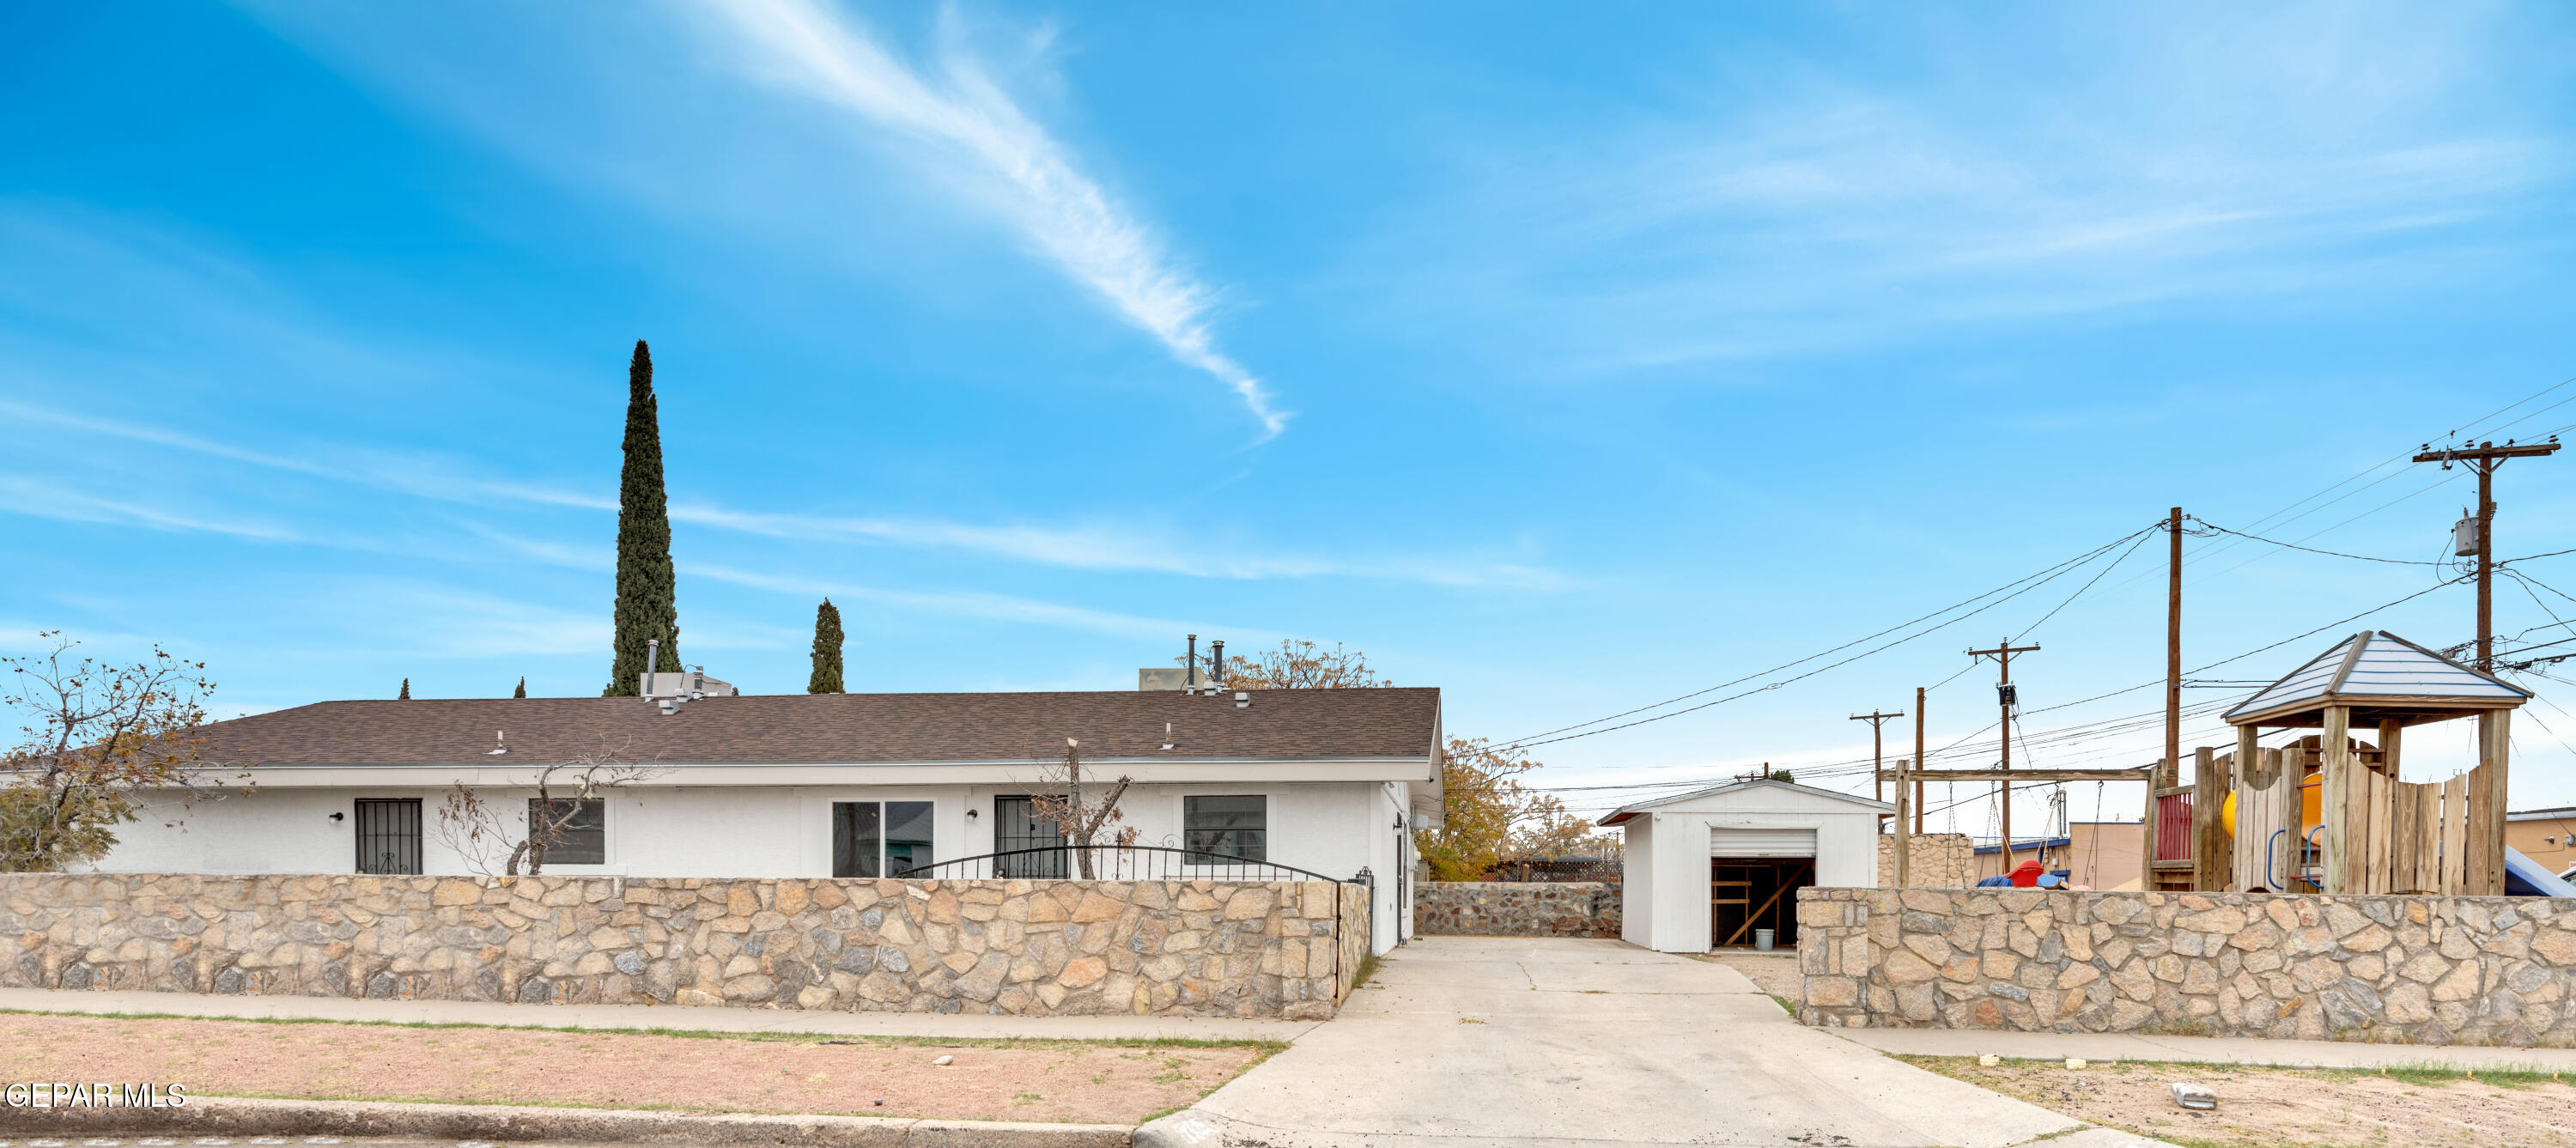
<point x="2436" y="484"/>
<point x="2214" y="551"/>
<point x="2044" y="577"/>
<point x="2090" y="729"/>
<point x="2143" y="535"/>
<point x="2261" y="649"/>
<point x="2311" y="549"/>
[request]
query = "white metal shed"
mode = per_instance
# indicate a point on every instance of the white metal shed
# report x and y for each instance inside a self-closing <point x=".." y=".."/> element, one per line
<point x="1731" y="859"/>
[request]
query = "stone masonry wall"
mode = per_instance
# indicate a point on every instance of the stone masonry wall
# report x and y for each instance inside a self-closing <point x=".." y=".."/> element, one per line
<point x="1937" y="861"/>
<point x="983" y="946"/>
<point x="1516" y="909"/>
<point x="2391" y="969"/>
<point x="1357" y="903"/>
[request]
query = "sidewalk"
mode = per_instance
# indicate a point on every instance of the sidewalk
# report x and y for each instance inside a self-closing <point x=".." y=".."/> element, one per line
<point x="2107" y="1046"/>
<point x="707" y="1019"/>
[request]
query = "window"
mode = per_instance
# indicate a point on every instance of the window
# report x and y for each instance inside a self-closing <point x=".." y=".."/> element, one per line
<point x="580" y="841"/>
<point x="389" y="835"/>
<point x="1017" y="826"/>
<point x="1226" y="826"/>
<point x="880" y="838"/>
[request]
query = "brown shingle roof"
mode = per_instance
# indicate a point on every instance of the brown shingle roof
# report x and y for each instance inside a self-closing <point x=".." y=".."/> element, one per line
<point x="820" y="728"/>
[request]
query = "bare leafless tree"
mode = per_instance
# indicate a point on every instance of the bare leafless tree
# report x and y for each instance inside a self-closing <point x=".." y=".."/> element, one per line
<point x="1083" y="812"/>
<point x="1297" y="664"/>
<point x="479" y="830"/>
<point x="100" y="744"/>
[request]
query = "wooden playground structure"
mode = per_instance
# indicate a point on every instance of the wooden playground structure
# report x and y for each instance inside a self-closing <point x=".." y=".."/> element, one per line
<point x="2329" y="812"/>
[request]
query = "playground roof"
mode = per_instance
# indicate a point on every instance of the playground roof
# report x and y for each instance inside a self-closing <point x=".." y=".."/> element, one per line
<point x="2379" y="677"/>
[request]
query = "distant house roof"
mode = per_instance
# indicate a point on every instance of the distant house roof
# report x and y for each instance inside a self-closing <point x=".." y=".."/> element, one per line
<point x="2379" y="676"/>
<point x="845" y="728"/>
<point x="1628" y="811"/>
<point x="2023" y="843"/>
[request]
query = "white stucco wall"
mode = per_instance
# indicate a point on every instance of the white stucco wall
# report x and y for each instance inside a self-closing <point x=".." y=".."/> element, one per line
<point x="1637" y="884"/>
<point x="1331" y="828"/>
<point x="1666" y="868"/>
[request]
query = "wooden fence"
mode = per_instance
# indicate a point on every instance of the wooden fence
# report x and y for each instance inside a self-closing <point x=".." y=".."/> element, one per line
<point x="2400" y="837"/>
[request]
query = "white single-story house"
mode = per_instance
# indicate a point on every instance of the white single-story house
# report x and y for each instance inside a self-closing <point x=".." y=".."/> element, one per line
<point x="1331" y="782"/>
<point x="1707" y="869"/>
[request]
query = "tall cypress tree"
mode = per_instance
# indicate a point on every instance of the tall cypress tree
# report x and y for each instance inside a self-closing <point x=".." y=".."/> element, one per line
<point x="405" y="695"/>
<point x="522" y="691"/>
<point x="827" y="650"/>
<point x="646" y="598"/>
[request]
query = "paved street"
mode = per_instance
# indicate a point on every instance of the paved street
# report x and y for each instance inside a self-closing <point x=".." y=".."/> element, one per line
<point x="1557" y="1042"/>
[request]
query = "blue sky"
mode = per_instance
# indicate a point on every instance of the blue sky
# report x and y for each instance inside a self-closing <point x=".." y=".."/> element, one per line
<point x="1566" y="358"/>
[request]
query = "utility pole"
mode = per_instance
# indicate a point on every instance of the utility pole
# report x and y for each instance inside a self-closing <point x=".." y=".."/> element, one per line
<point x="2173" y="649"/>
<point x="1877" y="754"/>
<point x="1918" y="762"/>
<point x="2003" y="656"/>
<point x="2486" y="457"/>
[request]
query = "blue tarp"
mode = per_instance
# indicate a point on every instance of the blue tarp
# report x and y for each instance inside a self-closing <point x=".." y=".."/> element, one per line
<point x="2524" y="877"/>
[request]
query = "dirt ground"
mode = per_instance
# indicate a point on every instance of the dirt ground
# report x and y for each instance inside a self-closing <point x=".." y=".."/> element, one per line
<point x="2290" y="1108"/>
<point x="1775" y="973"/>
<point x="1063" y="1081"/>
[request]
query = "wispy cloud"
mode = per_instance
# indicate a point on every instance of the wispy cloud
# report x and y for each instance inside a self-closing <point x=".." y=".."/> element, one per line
<point x="1101" y="546"/>
<point x="804" y="47"/>
<point x="1831" y="215"/>
<point x="40" y="498"/>
<point x="413" y="474"/>
<point x="1111" y="547"/>
<point x="965" y="604"/>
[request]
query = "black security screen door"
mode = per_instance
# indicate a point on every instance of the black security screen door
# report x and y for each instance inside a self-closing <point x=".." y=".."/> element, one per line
<point x="389" y="835"/>
<point x="858" y="834"/>
<point x="1016" y="825"/>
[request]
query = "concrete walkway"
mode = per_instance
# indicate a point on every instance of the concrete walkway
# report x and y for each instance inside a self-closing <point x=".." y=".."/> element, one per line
<point x="2111" y="1046"/>
<point x="1489" y="1041"/>
<point x="706" y="1019"/>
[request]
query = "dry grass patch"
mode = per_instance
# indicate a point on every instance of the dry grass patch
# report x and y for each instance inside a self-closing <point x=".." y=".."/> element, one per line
<point x="1088" y="1082"/>
<point x="2291" y="1107"/>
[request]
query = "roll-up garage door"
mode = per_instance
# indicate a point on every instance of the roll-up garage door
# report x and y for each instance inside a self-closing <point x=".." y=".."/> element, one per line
<point x="1761" y="842"/>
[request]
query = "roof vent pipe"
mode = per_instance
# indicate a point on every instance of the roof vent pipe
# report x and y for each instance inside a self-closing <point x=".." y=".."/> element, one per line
<point x="1193" y="663"/>
<point x="1216" y="663"/>
<point x="652" y="661"/>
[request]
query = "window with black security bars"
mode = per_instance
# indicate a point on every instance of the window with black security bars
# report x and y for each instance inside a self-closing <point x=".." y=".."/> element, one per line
<point x="389" y="835"/>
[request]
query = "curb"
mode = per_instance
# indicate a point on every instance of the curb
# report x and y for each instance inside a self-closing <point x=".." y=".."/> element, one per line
<point x="495" y="1122"/>
<point x="1187" y="1128"/>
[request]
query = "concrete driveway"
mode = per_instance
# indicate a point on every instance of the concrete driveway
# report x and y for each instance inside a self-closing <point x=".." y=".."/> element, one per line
<point x="1501" y="1041"/>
